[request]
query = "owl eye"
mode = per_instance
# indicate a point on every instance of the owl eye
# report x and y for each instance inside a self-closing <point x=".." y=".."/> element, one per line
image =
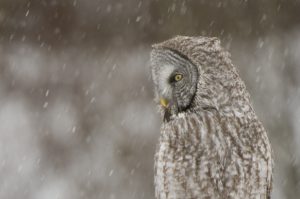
<point x="178" y="77"/>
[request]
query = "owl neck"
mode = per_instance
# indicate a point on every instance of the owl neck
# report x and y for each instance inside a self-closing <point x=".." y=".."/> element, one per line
<point x="227" y="95"/>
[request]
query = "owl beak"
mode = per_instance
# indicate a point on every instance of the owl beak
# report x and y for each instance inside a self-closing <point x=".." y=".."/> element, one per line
<point x="164" y="102"/>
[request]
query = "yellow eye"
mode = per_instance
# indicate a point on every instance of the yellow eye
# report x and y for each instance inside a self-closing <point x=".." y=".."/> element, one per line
<point x="178" y="77"/>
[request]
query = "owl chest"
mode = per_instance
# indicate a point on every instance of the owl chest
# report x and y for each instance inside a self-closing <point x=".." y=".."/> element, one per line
<point x="184" y="167"/>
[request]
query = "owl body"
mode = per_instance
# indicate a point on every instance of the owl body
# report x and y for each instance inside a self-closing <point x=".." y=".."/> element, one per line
<point x="207" y="155"/>
<point x="212" y="144"/>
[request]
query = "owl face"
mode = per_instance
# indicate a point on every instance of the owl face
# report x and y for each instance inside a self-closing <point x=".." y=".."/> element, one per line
<point x="175" y="80"/>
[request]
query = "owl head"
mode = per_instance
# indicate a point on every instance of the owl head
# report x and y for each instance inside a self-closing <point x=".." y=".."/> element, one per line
<point x="175" y="78"/>
<point x="193" y="73"/>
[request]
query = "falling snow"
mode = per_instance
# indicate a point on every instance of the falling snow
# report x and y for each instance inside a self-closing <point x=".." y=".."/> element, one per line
<point x="77" y="117"/>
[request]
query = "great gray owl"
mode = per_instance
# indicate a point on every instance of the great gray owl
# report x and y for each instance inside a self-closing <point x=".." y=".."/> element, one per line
<point x="212" y="144"/>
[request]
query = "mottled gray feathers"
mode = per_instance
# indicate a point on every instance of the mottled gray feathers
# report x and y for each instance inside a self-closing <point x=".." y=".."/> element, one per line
<point x="212" y="145"/>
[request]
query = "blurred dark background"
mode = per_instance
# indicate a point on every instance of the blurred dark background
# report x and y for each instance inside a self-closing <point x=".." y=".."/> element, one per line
<point x="77" y="119"/>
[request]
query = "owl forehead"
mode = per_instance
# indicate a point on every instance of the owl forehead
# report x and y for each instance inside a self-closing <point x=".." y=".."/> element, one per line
<point x="166" y="56"/>
<point x="164" y="61"/>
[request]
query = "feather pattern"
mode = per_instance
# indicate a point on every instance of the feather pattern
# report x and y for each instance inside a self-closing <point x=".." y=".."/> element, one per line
<point x="215" y="147"/>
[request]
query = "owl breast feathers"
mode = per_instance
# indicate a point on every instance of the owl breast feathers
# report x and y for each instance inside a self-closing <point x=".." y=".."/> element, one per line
<point x="212" y="144"/>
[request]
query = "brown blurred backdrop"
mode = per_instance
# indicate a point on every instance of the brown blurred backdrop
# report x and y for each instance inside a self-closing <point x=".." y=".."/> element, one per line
<point x="77" y="119"/>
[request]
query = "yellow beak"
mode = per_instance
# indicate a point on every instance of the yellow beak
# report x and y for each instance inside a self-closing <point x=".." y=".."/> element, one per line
<point x="164" y="102"/>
